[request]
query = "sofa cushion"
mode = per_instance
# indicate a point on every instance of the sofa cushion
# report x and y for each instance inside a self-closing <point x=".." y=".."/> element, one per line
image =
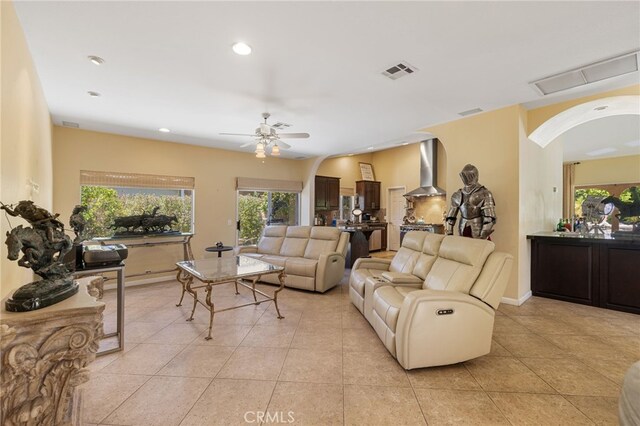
<point x="301" y="266"/>
<point x="359" y="276"/>
<point x="459" y="263"/>
<point x="271" y="240"/>
<point x="322" y="240"/>
<point x="274" y="260"/>
<point x="401" y="278"/>
<point x="387" y="301"/>
<point x="407" y="256"/>
<point x="428" y="256"/>
<point x="295" y="241"/>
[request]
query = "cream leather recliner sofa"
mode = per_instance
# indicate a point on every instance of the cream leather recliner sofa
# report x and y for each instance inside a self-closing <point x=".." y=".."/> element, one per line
<point x="313" y="256"/>
<point x="434" y="303"/>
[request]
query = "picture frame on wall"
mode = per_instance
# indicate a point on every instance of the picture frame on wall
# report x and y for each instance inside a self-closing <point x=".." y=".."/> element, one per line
<point x="366" y="170"/>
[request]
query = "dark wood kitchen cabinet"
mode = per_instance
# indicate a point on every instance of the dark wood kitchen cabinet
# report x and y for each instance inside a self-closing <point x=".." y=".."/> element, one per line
<point x="592" y="271"/>
<point x="369" y="195"/>
<point x="327" y="193"/>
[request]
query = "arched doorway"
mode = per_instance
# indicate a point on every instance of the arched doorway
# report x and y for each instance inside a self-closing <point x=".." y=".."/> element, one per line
<point x="600" y="141"/>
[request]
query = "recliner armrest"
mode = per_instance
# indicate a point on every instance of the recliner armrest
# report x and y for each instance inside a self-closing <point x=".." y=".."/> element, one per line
<point x="372" y="263"/>
<point x="401" y="278"/>
<point x="329" y="271"/>
<point x="439" y="327"/>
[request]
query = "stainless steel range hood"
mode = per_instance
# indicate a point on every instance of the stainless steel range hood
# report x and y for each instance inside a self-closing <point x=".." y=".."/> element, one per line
<point x="428" y="171"/>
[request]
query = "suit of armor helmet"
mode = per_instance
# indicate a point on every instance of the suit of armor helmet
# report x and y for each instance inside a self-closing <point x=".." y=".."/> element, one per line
<point x="475" y="204"/>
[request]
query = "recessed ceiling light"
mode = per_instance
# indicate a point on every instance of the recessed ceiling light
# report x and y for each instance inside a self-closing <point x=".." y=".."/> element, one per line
<point x="96" y="60"/>
<point x="405" y="143"/>
<point x="93" y="94"/>
<point x="164" y="130"/>
<point x="370" y="147"/>
<point x="601" y="108"/>
<point x="241" y="48"/>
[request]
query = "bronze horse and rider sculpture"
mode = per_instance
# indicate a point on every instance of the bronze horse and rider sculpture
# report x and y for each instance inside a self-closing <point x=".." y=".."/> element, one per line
<point x="43" y="246"/>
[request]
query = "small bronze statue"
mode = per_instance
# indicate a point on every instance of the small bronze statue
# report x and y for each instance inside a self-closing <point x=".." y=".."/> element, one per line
<point x="219" y="244"/>
<point x="144" y="223"/>
<point x="43" y="246"/>
<point x="78" y="223"/>
<point x="628" y="211"/>
<point x="475" y="204"/>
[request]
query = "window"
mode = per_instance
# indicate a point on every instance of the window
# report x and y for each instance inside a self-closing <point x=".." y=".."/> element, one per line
<point x="346" y="207"/>
<point x="109" y="195"/>
<point x="263" y="202"/>
<point x="605" y="222"/>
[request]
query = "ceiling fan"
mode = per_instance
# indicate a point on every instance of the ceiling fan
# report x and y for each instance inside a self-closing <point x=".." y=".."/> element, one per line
<point x="267" y="135"/>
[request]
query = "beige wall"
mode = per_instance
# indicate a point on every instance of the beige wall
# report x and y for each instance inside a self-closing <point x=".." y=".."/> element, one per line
<point x="215" y="173"/>
<point x="25" y="141"/>
<point x="347" y="168"/>
<point x="608" y="170"/>
<point x="490" y="141"/>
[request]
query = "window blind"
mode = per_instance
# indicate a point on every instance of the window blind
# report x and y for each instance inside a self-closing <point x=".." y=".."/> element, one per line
<point x="135" y="180"/>
<point x="259" y="184"/>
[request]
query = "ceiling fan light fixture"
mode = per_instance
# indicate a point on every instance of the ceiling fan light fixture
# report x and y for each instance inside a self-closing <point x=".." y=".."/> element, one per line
<point x="260" y="154"/>
<point x="241" y="48"/>
<point x="275" y="151"/>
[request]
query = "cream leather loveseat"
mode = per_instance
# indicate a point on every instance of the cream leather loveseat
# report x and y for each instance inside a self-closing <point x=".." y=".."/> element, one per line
<point x="434" y="302"/>
<point x="313" y="256"/>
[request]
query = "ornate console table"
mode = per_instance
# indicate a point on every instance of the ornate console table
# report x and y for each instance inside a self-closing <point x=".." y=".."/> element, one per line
<point x="44" y="358"/>
<point x="153" y="240"/>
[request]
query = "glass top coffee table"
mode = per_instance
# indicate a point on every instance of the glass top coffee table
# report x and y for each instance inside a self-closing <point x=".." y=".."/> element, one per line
<point x="240" y="270"/>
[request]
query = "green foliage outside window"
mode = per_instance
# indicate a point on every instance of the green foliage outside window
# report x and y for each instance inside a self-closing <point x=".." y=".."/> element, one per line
<point x="583" y="193"/>
<point x="252" y="212"/>
<point x="105" y="204"/>
<point x="253" y="207"/>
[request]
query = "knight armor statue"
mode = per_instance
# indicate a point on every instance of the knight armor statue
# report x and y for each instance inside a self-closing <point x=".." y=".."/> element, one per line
<point x="475" y="204"/>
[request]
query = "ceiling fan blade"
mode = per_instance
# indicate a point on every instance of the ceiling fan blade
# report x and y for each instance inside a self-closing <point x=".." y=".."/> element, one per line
<point x="236" y="134"/>
<point x="283" y="145"/>
<point x="293" y="135"/>
<point x="247" y="144"/>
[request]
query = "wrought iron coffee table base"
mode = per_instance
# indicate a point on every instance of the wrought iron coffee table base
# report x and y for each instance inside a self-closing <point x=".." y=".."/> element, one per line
<point x="187" y="287"/>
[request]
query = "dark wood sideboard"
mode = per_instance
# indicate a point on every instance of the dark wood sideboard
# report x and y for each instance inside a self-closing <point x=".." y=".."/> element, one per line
<point x="591" y="271"/>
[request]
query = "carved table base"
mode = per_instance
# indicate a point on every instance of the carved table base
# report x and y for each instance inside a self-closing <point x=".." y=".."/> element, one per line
<point x="44" y="358"/>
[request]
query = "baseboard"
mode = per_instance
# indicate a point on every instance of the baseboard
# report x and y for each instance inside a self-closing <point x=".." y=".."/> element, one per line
<point x="516" y="302"/>
<point x="111" y="284"/>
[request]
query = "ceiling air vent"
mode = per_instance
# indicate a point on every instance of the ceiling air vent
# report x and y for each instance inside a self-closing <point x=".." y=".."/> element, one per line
<point x="470" y="112"/>
<point x="399" y="70"/>
<point x="586" y="74"/>
<point x="70" y="124"/>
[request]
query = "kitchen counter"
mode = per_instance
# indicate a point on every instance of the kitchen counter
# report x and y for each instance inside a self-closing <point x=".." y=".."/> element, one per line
<point x="633" y="239"/>
<point x="587" y="269"/>
<point x="363" y="226"/>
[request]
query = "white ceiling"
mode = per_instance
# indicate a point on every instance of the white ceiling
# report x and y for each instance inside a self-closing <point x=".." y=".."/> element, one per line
<point x="315" y="65"/>
<point x="614" y="136"/>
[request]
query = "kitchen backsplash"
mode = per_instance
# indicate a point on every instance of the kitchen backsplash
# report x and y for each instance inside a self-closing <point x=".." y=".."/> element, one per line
<point x="431" y="209"/>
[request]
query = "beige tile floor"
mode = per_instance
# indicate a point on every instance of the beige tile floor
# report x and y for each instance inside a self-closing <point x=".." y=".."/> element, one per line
<point x="552" y="363"/>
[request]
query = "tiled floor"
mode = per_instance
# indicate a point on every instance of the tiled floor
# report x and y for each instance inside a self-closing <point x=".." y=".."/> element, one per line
<point x="552" y="363"/>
